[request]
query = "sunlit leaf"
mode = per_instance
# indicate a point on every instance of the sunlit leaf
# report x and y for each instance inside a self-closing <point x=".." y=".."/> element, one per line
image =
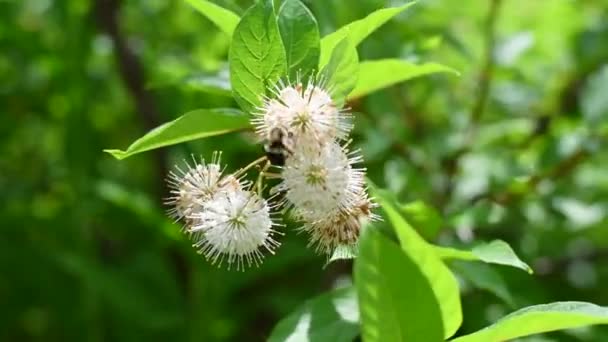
<point x="225" y="19"/>
<point x="301" y="39"/>
<point x="333" y="316"/>
<point x="374" y="75"/>
<point x="443" y="282"/>
<point x="257" y="57"/>
<point x="193" y="125"/>
<point x="342" y="71"/>
<point x="494" y="252"/>
<point x="396" y="300"/>
<point x="538" y="319"/>
<point x="358" y="30"/>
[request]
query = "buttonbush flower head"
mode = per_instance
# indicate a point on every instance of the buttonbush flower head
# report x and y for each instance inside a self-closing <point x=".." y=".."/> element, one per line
<point x="319" y="180"/>
<point x="341" y="228"/>
<point x="302" y="111"/>
<point x="235" y="224"/>
<point x="190" y="188"/>
<point x="223" y="217"/>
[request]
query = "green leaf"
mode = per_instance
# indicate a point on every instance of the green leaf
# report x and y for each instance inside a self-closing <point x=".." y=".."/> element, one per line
<point x="257" y="58"/>
<point x="224" y="19"/>
<point x="396" y="300"/>
<point x="484" y="277"/>
<point x="424" y="218"/>
<point x="343" y="252"/>
<point x="539" y="319"/>
<point x="358" y="30"/>
<point x="494" y="252"/>
<point x="300" y="34"/>
<point x="442" y="280"/>
<point x="342" y="71"/>
<point x="193" y="125"/>
<point x="374" y="75"/>
<point x="333" y="316"/>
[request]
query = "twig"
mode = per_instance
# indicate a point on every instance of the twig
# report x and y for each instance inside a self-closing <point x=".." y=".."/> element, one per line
<point x="487" y="70"/>
<point x="560" y="170"/>
<point x="132" y="74"/>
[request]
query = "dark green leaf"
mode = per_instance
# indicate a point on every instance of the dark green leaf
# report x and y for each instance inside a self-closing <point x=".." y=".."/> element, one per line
<point x="193" y="125"/>
<point x="257" y="58"/>
<point x="538" y="319"/>
<point x="396" y="300"/>
<point x="301" y="39"/>
<point x="333" y="316"/>
<point x="484" y="277"/>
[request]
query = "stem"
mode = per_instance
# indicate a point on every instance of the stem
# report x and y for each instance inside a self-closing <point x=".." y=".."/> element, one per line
<point x="243" y="170"/>
<point x="261" y="176"/>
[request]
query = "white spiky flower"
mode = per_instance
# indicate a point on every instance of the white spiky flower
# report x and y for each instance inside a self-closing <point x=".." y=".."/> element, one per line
<point x="302" y="111"/>
<point x="235" y="224"/>
<point x="191" y="187"/>
<point x="319" y="180"/>
<point x="223" y="217"/>
<point x="342" y="228"/>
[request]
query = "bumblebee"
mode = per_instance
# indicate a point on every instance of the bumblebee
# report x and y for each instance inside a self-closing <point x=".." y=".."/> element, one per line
<point x="279" y="146"/>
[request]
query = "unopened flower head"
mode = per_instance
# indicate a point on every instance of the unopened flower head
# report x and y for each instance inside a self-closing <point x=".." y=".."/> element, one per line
<point x="302" y="111"/>
<point x="235" y="224"/>
<point x="191" y="187"/>
<point x="342" y="228"/>
<point x="319" y="180"/>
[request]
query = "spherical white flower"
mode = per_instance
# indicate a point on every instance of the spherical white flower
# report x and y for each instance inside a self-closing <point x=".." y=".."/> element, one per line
<point x="190" y="188"/>
<point x="235" y="224"/>
<point x="308" y="111"/>
<point x="222" y="216"/>
<point x="341" y="228"/>
<point x="319" y="180"/>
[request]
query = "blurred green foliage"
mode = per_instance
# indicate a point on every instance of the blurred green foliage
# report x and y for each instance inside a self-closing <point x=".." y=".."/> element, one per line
<point x="514" y="148"/>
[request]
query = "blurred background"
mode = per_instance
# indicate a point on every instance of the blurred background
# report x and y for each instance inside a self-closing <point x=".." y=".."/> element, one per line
<point x="515" y="148"/>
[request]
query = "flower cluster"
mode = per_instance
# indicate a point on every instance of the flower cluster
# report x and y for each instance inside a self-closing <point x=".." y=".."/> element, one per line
<point x="224" y="218"/>
<point x="319" y="183"/>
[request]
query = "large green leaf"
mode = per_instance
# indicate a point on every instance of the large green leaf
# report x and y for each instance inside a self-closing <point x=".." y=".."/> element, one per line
<point x="442" y="280"/>
<point x="225" y="19"/>
<point x="190" y="126"/>
<point x="257" y="57"/>
<point x="374" y="75"/>
<point x="494" y="252"/>
<point x="538" y="319"/>
<point x="357" y="30"/>
<point x="396" y="300"/>
<point x="341" y="73"/>
<point x="301" y="39"/>
<point x="333" y="316"/>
